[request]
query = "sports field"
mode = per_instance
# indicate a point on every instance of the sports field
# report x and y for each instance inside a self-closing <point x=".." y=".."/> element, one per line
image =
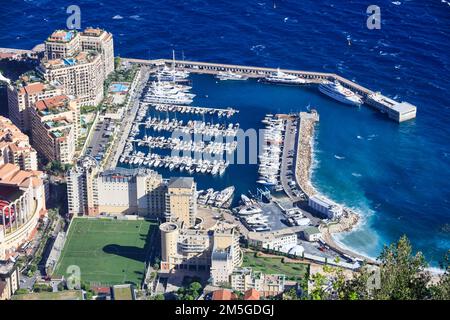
<point x="109" y="251"/>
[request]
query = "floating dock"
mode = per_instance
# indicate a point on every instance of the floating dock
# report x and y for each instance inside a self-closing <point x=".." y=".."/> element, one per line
<point x="397" y="111"/>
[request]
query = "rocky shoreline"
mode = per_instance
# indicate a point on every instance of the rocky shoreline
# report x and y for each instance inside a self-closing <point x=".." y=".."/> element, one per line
<point x="349" y="218"/>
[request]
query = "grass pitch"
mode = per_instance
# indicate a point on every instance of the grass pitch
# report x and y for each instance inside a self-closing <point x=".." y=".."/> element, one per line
<point x="108" y="252"/>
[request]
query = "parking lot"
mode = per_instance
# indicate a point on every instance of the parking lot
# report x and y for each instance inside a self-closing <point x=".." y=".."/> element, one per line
<point x="102" y="133"/>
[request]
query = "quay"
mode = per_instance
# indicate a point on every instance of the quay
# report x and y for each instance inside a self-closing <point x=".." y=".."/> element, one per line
<point x="397" y="111"/>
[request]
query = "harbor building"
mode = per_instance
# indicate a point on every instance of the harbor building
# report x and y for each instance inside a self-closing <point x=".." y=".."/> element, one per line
<point x="9" y="279"/>
<point x="23" y="94"/>
<point x="325" y="206"/>
<point x="15" y="146"/>
<point x="22" y="203"/>
<point x="81" y="62"/>
<point x="209" y="246"/>
<point x="312" y="234"/>
<point x="244" y="279"/>
<point x="181" y="201"/>
<point x="274" y="240"/>
<point x="397" y="111"/>
<point x="55" y="128"/>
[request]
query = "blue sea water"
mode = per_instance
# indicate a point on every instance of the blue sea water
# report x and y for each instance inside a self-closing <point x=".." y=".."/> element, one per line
<point x="397" y="176"/>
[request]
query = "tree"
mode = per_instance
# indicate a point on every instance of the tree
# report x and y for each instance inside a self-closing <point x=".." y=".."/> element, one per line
<point x="441" y="290"/>
<point x="403" y="275"/>
<point x="318" y="291"/>
<point x="157" y="297"/>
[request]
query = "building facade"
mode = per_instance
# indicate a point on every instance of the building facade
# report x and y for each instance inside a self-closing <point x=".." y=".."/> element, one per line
<point x="196" y="248"/>
<point x="15" y="147"/>
<point x="269" y="285"/>
<point x="22" y="203"/>
<point x="55" y="128"/>
<point x="275" y="240"/>
<point x="81" y="62"/>
<point x="9" y="279"/>
<point x="181" y="201"/>
<point x="119" y="191"/>
<point x="24" y="94"/>
<point x="325" y="206"/>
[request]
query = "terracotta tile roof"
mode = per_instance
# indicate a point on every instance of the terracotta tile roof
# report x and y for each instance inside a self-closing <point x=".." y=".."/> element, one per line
<point x="251" y="294"/>
<point x="51" y="102"/>
<point x="33" y="88"/>
<point x="223" y="294"/>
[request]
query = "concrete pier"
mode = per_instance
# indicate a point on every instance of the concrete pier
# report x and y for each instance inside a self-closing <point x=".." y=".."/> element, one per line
<point x="397" y="111"/>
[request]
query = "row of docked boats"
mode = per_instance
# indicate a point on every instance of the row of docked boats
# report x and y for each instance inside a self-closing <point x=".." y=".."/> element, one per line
<point x="177" y="144"/>
<point x="182" y="164"/>
<point x="253" y="218"/>
<point x="192" y="127"/>
<point x="228" y="112"/>
<point x="270" y="157"/>
<point x="167" y="93"/>
<point x="219" y="199"/>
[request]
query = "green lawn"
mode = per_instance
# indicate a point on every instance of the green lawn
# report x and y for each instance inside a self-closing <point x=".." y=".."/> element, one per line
<point x="63" y="295"/>
<point x="268" y="265"/>
<point x="108" y="251"/>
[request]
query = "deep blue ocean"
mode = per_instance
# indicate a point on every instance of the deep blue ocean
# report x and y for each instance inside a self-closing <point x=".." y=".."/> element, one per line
<point x="397" y="176"/>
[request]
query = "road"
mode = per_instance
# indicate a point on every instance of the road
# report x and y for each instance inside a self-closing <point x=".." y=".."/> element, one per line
<point x="287" y="160"/>
<point x="129" y="119"/>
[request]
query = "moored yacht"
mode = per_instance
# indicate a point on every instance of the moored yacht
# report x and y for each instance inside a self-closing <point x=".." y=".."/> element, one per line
<point x="338" y="92"/>
<point x="228" y="75"/>
<point x="280" y="77"/>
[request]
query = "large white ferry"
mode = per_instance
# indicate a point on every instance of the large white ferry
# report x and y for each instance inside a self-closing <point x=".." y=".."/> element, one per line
<point x="338" y="92"/>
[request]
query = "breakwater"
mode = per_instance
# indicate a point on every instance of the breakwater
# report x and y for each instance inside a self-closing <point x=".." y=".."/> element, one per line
<point x="349" y="219"/>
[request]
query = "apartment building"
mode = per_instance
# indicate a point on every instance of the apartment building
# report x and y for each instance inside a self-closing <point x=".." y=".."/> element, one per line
<point x="22" y="203"/>
<point x="244" y="279"/>
<point x="118" y="191"/>
<point x="55" y="128"/>
<point x="81" y="196"/>
<point x="208" y="246"/>
<point x="128" y="191"/>
<point x="82" y="76"/>
<point x="181" y="201"/>
<point x="94" y="39"/>
<point x="9" y="279"/>
<point x="15" y="146"/>
<point x="81" y="62"/>
<point x="23" y="94"/>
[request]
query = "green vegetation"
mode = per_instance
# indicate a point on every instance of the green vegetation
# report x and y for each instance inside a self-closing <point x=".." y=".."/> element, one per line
<point x="40" y="287"/>
<point x="191" y="289"/>
<point x="124" y="293"/>
<point x="63" y="295"/>
<point x="274" y="265"/>
<point x="107" y="251"/>
<point x="57" y="168"/>
<point x="88" y="109"/>
<point x="402" y="276"/>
